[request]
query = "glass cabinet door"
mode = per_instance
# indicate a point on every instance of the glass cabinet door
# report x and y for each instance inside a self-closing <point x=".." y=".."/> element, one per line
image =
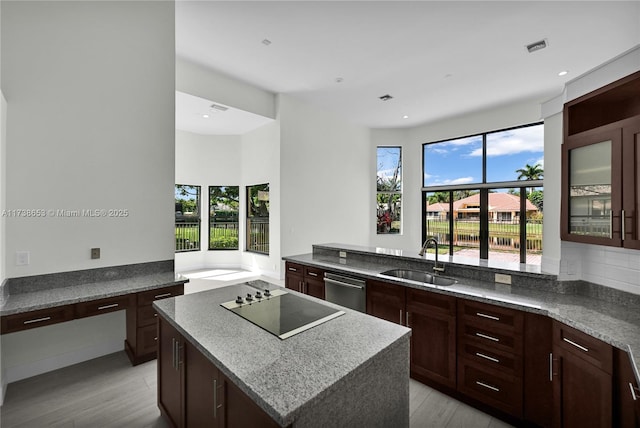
<point x="590" y="190"/>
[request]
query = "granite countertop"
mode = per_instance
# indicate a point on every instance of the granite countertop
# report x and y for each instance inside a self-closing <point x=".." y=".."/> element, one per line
<point x="58" y="296"/>
<point x="284" y="377"/>
<point x="615" y="324"/>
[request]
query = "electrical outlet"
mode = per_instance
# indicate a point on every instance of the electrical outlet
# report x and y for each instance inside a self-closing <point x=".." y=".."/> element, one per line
<point x="503" y="279"/>
<point x="343" y="254"/>
<point x="95" y="253"/>
<point x="22" y="258"/>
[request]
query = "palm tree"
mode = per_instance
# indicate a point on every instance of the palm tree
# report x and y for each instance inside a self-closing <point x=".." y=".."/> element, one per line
<point x="530" y="172"/>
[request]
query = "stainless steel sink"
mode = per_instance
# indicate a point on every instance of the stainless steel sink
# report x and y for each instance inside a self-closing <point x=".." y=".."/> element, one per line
<point x="419" y="276"/>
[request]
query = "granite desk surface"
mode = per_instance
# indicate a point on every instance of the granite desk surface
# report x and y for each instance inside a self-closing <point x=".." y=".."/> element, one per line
<point x="616" y="324"/>
<point x="284" y="377"/>
<point x="58" y="296"/>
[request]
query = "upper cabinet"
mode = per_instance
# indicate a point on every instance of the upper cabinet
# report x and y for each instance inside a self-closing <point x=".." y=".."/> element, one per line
<point x="600" y="166"/>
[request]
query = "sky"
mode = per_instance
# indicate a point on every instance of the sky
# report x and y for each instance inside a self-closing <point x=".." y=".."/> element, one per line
<point x="459" y="161"/>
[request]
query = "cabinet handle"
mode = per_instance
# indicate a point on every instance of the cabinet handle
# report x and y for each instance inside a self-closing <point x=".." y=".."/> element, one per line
<point x="486" y="357"/>
<point x="162" y="296"/>
<point x="400" y="317"/>
<point x="633" y="391"/>
<point x="113" y="305"/>
<point x="610" y="224"/>
<point x="493" y="388"/>
<point x="484" y="336"/>
<point x="550" y="366"/>
<point x="293" y="269"/>
<point x="312" y="274"/>
<point x="215" y="398"/>
<point x="571" y="342"/>
<point x="622" y="225"/>
<point x="406" y="316"/>
<point x="491" y="317"/>
<point x="37" y="320"/>
<point x="173" y="353"/>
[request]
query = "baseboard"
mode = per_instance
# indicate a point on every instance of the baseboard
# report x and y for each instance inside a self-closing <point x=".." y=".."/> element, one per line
<point x="16" y="373"/>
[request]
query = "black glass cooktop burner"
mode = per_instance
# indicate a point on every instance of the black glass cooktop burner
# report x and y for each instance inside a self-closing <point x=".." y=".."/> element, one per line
<point x="281" y="313"/>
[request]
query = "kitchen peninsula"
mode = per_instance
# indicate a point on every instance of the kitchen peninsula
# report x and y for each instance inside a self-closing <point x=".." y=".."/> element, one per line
<point x="216" y="367"/>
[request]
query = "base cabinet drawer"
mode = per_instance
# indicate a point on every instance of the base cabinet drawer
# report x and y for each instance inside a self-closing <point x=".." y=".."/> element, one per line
<point x="502" y="392"/>
<point x="103" y="306"/>
<point x="39" y="318"/>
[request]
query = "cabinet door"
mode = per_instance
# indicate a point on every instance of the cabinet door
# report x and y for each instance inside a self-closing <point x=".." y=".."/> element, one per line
<point x="626" y="393"/>
<point x="240" y="411"/>
<point x="294" y="278"/>
<point x="386" y="301"/>
<point x="581" y="393"/>
<point x="314" y="282"/>
<point x="203" y="387"/>
<point x="538" y="381"/>
<point x="432" y="318"/>
<point x="170" y="380"/>
<point x="631" y="180"/>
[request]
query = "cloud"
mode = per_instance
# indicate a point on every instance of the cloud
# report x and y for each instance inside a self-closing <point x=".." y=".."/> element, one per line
<point x="529" y="139"/>
<point x="452" y="182"/>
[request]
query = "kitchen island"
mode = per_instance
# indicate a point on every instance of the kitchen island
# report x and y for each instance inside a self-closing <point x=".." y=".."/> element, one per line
<point x="350" y="371"/>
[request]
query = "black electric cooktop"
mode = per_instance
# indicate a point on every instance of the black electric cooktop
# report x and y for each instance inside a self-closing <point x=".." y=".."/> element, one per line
<point x="280" y="312"/>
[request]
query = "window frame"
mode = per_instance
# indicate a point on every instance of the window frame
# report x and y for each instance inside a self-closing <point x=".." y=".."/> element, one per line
<point x="394" y="192"/>
<point x="248" y="217"/>
<point x="199" y="222"/>
<point x="484" y="187"/>
<point x="237" y="222"/>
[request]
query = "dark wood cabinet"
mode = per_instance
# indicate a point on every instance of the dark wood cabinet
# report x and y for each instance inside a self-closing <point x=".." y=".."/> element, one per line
<point x="142" y="335"/>
<point x="600" y="166"/>
<point x="39" y="318"/>
<point x="193" y="393"/>
<point x="626" y="394"/>
<point x="432" y="319"/>
<point x="386" y="301"/>
<point x="490" y="355"/>
<point x="170" y="374"/>
<point x="582" y="385"/>
<point x="305" y="279"/>
<point x="538" y="379"/>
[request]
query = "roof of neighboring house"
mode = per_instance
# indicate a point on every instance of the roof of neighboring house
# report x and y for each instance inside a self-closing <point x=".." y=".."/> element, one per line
<point x="500" y="202"/>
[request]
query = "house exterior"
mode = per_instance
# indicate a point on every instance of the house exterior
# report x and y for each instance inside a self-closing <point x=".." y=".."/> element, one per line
<point x="502" y="207"/>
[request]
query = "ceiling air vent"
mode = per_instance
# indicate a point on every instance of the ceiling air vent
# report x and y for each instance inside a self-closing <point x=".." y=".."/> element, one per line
<point x="537" y="46"/>
<point x="219" y="107"/>
<point x="386" y="97"/>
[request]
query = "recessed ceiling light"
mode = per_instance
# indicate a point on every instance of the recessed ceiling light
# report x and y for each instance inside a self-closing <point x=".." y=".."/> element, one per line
<point x="405" y="117"/>
<point x="386" y="97"/>
<point x="266" y="42"/>
<point x="206" y="116"/>
<point x="563" y="73"/>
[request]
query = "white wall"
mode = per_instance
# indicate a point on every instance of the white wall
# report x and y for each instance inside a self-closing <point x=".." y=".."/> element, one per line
<point x="90" y="87"/>
<point x="327" y="178"/>
<point x="211" y="85"/>
<point x="411" y="140"/>
<point x="207" y="160"/>
<point x="261" y="163"/>
<point x="91" y="127"/>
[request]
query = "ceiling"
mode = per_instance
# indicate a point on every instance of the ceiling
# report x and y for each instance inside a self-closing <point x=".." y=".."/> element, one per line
<point x="436" y="59"/>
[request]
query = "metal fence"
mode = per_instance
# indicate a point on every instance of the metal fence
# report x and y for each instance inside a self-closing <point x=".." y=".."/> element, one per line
<point x="223" y="235"/>
<point x="187" y="236"/>
<point x="503" y="235"/>
<point x="258" y="234"/>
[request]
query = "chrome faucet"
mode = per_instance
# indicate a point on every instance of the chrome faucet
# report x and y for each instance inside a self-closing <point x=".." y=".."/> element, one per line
<point x="431" y="240"/>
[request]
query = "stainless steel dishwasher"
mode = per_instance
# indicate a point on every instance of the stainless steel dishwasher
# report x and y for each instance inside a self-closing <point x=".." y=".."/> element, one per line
<point x="346" y="291"/>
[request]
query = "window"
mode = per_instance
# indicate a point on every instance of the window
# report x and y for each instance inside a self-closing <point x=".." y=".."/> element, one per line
<point x="258" y="218"/>
<point x="223" y="217"/>
<point x="187" y="212"/>
<point x="482" y="194"/>
<point x="389" y="190"/>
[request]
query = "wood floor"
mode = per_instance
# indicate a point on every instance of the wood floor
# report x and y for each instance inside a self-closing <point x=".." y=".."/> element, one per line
<point x="108" y="392"/>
